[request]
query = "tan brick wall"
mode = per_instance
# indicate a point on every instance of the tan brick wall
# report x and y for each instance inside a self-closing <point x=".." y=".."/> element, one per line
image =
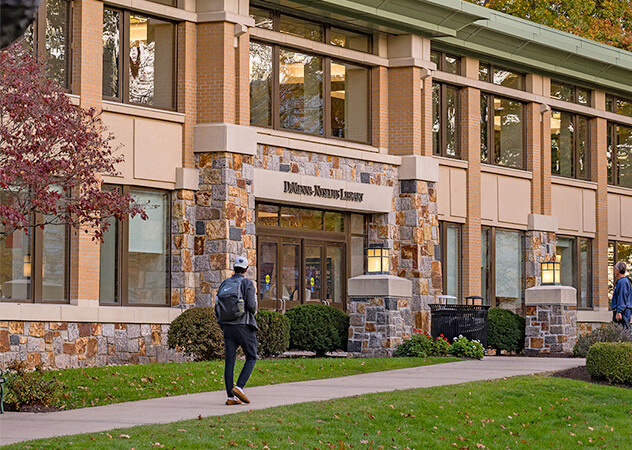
<point x="471" y="152"/>
<point x="242" y="81"/>
<point x="404" y="96"/>
<point x="599" y="174"/>
<point x="426" y="117"/>
<point x="534" y="155"/>
<point x="545" y="186"/>
<point x="187" y="82"/>
<point x="380" y="99"/>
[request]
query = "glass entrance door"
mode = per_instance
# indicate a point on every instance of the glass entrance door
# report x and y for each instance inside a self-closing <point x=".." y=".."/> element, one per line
<point x="279" y="273"/>
<point x="291" y="275"/>
<point x="267" y="273"/>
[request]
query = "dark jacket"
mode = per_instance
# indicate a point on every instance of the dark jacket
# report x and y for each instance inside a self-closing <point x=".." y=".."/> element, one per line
<point x="250" y="299"/>
<point x="622" y="295"/>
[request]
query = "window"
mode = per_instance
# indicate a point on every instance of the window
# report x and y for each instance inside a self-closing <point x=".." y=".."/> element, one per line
<point x="502" y="268"/>
<point x="570" y="156"/>
<point x="618" y="251"/>
<point x="451" y="258"/>
<point x="49" y="38"/>
<point x="500" y="76"/>
<point x="139" y="57"/>
<point x="135" y="255"/>
<point x="619" y="105"/>
<point x="445" y="117"/>
<point x="446" y="63"/>
<point x="308" y="93"/>
<point x="619" y="155"/>
<point x="576" y="267"/>
<point x="308" y="29"/>
<point x="569" y="93"/>
<point x="34" y="266"/>
<point x="502" y="138"/>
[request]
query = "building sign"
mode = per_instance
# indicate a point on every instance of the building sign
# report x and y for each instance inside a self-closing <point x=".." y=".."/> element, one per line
<point x="291" y="187"/>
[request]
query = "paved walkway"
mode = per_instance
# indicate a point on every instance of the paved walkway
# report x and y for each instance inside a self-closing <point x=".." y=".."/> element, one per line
<point x="16" y="427"/>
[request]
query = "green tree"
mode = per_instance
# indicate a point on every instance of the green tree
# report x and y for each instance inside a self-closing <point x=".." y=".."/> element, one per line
<point x="606" y="21"/>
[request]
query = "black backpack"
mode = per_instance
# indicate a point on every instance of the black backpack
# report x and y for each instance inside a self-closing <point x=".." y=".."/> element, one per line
<point x="230" y="303"/>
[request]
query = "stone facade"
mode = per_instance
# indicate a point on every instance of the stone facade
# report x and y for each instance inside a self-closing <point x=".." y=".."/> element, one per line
<point x="78" y="344"/>
<point x="550" y="329"/>
<point x="539" y="248"/>
<point x="377" y="325"/>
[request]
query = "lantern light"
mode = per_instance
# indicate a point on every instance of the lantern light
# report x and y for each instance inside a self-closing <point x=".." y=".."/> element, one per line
<point x="551" y="272"/>
<point x="377" y="260"/>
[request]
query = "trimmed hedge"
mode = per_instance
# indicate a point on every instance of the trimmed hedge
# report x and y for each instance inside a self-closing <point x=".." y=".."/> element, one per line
<point x="610" y="332"/>
<point x="317" y="328"/>
<point x="197" y="332"/>
<point x="29" y="388"/>
<point x="610" y="361"/>
<point x="505" y="330"/>
<point x="273" y="337"/>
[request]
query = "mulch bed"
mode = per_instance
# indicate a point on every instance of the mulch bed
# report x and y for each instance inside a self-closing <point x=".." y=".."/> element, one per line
<point x="581" y="374"/>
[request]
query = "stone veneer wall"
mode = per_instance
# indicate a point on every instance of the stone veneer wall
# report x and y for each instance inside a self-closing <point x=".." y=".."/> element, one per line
<point x="72" y="344"/>
<point x="377" y="325"/>
<point x="550" y="329"/>
<point x="540" y="247"/>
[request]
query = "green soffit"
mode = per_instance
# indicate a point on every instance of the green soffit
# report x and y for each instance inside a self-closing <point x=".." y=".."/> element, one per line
<point x="473" y="30"/>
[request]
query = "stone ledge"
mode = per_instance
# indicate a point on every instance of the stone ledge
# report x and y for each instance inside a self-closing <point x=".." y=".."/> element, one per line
<point x="554" y="295"/>
<point x="379" y="286"/>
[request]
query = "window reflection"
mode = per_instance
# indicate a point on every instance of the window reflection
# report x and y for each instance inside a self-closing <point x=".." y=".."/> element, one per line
<point x="57" y="37"/>
<point x="349" y="101"/>
<point x="15" y="266"/>
<point x="54" y="248"/>
<point x="301" y="28"/>
<point x="508" y="133"/>
<point x="260" y="84"/>
<point x="111" y="52"/>
<point x="349" y="39"/>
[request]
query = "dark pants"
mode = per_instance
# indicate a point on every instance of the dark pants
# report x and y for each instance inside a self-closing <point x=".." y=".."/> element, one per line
<point x="239" y="336"/>
<point x="625" y="319"/>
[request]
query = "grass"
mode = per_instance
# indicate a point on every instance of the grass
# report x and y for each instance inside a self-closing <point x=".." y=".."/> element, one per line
<point x="96" y="386"/>
<point x="519" y="412"/>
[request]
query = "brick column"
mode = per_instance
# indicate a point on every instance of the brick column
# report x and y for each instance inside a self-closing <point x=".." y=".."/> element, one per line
<point x="380" y="106"/>
<point x="471" y="152"/>
<point x="534" y="155"/>
<point x="599" y="174"/>
<point x="87" y="83"/>
<point x="404" y="97"/>
<point x="187" y="81"/>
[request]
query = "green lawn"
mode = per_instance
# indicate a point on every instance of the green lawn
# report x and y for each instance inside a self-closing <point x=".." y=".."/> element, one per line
<point x="520" y="412"/>
<point x="114" y="384"/>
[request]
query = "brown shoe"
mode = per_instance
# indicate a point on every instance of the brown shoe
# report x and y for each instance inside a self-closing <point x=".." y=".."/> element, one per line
<point x="239" y="393"/>
<point x="233" y="401"/>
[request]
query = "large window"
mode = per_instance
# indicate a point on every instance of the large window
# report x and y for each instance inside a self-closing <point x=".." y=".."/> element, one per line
<point x="310" y="29"/>
<point x="139" y="59"/>
<point x="618" y="251"/>
<point x="135" y="255"/>
<point x="313" y="94"/>
<point x="575" y="256"/>
<point x="570" y="93"/>
<point x="502" y="268"/>
<point x="49" y="38"/>
<point x="500" y="76"/>
<point x="619" y="105"/>
<point x="570" y="155"/>
<point x="502" y="132"/>
<point x="445" y="120"/>
<point x="619" y="154"/>
<point x="34" y="266"/>
<point x="445" y="62"/>
<point x="451" y="259"/>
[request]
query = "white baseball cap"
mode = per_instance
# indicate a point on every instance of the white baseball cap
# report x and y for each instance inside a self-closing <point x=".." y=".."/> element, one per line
<point x="242" y="262"/>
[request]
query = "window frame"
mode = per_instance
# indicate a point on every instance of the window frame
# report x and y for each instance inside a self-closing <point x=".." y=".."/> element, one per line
<point x="577" y="277"/>
<point x="443" y="232"/>
<point x="575" y="94"/>
<point x="123" y="61"/>
<point x="612" y="135"/>
<point x="575" y="150"/>
<point x="39" y="41"/>
<point x="490" y="75"/>
<point x="441" y="67"/>
<point x="614" y="99"/>
<point x="326" y="92"/>
<point x="122" y="256"/>
<point x="325" y="26"/>
<point x="443" y="122"/>
<point x="491" y="132"/>
<point x="491" y="264"/>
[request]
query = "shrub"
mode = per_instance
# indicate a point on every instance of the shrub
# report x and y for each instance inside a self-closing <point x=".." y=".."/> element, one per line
<point x="29" y="389"/>
<point x="273" y="337"/>
<point x="505" y="330"/>
<point x="314" y="328"/>
<point x="608" y="333"/>
<point x="423" y="345"/>
<point x="343" y="326"/>
<point x="462" y="347"/>
<point x="611" y="361"/>
<point x="197" y="333"/>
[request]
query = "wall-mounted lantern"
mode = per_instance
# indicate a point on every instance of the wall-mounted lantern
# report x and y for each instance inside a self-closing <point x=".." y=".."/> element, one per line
<point x="377" y="260"/>
<point x="551" y="272"/>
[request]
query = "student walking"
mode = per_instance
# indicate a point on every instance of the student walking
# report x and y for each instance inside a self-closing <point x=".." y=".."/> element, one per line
<point x="621" y="303"/>
<point x="235" y="309"/>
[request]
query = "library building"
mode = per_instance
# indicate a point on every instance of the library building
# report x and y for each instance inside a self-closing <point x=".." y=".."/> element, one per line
<point x="359" y="153"/>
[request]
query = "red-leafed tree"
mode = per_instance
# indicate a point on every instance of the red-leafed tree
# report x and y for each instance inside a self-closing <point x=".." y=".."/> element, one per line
<point x="52" y="154"/>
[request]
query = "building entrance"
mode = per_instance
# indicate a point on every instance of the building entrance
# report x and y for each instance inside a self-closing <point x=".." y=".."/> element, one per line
<point x="304" y="256"/>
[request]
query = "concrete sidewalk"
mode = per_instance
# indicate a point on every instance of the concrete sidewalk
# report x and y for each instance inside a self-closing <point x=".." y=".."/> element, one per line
<point x="16" y="427"/>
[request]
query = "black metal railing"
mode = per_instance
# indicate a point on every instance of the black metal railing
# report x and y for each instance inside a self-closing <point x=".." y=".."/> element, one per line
<point x="454" y="320"/>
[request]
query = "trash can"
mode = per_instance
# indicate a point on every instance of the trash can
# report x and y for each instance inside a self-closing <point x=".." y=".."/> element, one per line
<point x="454" y="320"/>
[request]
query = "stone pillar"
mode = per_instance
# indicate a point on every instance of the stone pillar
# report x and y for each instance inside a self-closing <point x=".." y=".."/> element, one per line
<point x="540" y="246"/>
<point x="380" y="314"/>
<point x="418" y="226"/>
<point x="551" y="320"/>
